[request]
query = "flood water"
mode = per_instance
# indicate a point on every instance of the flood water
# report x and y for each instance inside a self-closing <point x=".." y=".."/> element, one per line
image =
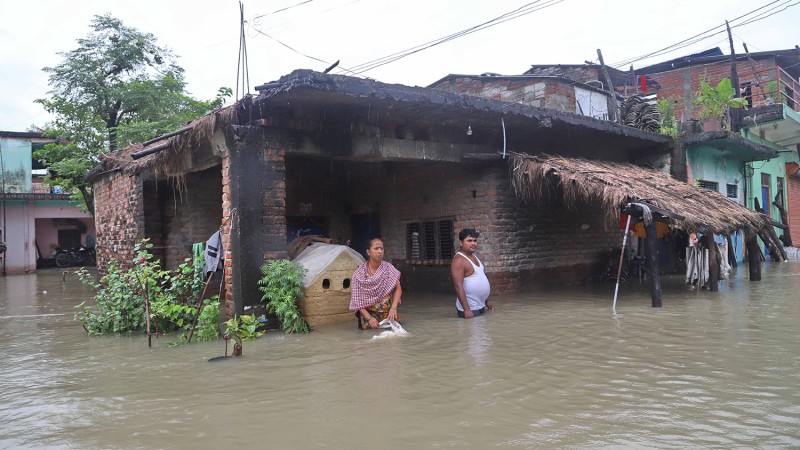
<point x="548" y="369"/>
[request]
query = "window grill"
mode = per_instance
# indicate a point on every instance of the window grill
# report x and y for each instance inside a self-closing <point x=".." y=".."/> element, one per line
<point x="732" y="190"/>
<point x="430" y="240"/>
<point x="713" y="185"/>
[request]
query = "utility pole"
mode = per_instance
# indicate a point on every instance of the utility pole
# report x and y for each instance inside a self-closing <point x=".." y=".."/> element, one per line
<point x="734" y="116"/>
<point x="610" y="87"/>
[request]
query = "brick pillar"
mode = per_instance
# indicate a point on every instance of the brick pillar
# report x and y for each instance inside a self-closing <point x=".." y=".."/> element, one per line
<point x="256" y="194"/>
<point x="226" y="237"/>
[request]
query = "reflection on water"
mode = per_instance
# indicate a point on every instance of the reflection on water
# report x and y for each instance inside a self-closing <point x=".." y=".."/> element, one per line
<point x="548" y="369"/>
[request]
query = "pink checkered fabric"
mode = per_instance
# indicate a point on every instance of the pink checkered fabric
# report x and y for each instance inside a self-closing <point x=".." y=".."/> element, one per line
<point x="368" y="290"/>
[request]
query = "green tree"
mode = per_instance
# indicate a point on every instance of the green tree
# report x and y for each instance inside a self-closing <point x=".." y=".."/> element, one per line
<point x="117" y="87"/>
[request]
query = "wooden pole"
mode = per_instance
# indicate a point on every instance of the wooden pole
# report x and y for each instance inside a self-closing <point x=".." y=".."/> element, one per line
<point x="731" y="254"/>
<point x="652" y="264"/>
<point x="787" y="236"/>
<point x="753" y="256"/>
<point x="199" y="308"/>
<point x="733" y="114"/>
<point x="713" y="263"/>
<point x="610" y="88"/>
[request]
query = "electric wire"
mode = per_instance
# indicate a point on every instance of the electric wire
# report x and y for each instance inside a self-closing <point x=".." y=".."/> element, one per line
<point x="722" y="29"/>
<point x="523" y="10"/>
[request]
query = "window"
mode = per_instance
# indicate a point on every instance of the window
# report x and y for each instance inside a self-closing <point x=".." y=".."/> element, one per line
<point x="430" y="239"/>
<point x="732" y="190"/>
<point x="779" y="190"/>
<point x="713" y="185"/>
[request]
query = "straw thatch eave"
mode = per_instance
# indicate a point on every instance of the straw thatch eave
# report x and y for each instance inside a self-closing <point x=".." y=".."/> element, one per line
<point x="614" y="185"/>
<point x="169" y="155"/>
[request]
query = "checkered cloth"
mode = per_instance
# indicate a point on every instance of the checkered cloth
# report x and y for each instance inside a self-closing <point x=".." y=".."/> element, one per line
<point x="368" y="290"/>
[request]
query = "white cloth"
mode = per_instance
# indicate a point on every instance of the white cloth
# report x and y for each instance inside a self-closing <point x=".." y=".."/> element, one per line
<point x="213" y="256"/>
<point x="396" y="329"/>
<point x="476" y="286"/>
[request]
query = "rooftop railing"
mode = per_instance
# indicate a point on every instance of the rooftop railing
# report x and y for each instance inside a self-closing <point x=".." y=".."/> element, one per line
<point x="771" y="86"/>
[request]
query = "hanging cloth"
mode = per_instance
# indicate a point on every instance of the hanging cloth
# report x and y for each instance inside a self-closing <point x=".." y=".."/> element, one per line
<point x="213" y="255"/>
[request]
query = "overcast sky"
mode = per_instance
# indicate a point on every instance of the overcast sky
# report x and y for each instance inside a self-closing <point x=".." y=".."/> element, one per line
<point x="205" y="34"/>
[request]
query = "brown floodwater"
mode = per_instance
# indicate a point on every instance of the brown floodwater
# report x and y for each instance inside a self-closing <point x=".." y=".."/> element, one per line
<point x="548" y="369"/>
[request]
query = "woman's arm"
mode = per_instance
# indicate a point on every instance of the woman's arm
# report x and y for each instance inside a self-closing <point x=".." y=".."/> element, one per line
<point x="398" y="294"/>
<point x="373" y="322"/>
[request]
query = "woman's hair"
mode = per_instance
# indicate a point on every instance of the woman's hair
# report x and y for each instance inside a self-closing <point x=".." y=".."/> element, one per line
<point x="369" y="244"/>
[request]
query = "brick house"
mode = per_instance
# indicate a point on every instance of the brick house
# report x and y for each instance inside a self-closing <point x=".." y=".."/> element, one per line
<point x="353" y="158"/>
<point x="769" y="82"/>
<point x="547" y="91"/>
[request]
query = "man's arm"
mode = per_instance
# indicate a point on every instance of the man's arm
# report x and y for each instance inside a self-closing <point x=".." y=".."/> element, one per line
<point x="457" y="275"/>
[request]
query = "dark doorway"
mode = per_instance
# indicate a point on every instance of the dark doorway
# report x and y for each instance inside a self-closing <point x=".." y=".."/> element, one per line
<point x="364" y="228"/>
<point x="69" y="238"/>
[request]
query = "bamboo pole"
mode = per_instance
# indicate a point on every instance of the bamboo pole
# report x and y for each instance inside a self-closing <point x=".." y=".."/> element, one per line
<point x="619" y="269"/>
<point x="199" y="308"/>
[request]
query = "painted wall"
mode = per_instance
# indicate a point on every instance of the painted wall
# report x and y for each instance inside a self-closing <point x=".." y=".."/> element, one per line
<point x="704" y="163"/>
<point x="591" y="103"/>
<point x="16" y="168"/>
<point x="23" y="221"/>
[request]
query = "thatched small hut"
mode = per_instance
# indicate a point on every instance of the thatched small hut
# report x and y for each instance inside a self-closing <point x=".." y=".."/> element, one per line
<point x="327" y="282"/>
<point x="622" y="187"/>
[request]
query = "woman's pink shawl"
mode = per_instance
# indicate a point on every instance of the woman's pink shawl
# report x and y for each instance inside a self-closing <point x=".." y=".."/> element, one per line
<point x="368" y="290"/>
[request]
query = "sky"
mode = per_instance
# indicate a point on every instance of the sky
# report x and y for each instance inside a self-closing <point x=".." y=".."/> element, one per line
<point x="205" y="34"/>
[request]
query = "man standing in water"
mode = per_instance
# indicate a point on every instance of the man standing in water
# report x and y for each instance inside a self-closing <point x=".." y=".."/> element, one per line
<point x="469" y="278"/>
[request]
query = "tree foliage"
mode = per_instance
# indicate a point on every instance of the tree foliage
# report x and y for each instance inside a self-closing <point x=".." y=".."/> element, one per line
<point x="118" y="86"/>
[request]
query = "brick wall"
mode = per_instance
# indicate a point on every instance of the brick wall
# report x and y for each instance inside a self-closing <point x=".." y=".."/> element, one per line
<point x="121" y="223"/>
<point x="226" y="298"/>
<point x="522" y="245"/>
<point x="189" y="215"/>
<point x="680" y="85"/>
<point x="542" y="92"/>
<point x="793" y="207"/>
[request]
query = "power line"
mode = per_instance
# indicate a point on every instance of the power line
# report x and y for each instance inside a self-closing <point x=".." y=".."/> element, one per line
<point x="705" y="34"/>
<point x="524" y="10"/>
<point x="284" y="9"/>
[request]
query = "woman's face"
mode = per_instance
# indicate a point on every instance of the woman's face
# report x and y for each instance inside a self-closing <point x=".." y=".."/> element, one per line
<point x="375" y="250"/>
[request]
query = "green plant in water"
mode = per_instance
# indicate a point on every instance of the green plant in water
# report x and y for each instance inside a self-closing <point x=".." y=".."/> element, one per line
<point x="121" y="295"/>
<point x="208" y="324"/>
<point x="713" y="102"/>
<point x="246" y="326"/>
<point x="282" y="285"/>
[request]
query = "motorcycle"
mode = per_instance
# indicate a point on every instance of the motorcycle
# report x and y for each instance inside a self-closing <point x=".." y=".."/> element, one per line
<point x="81" y="256"/>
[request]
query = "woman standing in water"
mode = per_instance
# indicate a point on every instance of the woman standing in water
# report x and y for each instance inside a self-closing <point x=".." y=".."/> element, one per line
<point x="376" y="289"/>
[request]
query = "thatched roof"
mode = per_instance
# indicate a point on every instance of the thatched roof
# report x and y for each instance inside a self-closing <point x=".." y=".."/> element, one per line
<point x="169" y="151"/>
<point x="613" y="185"/>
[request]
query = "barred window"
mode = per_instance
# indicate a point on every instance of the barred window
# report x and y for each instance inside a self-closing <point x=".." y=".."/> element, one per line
<point x="430" y="239"/>
<point x="713" y="185"/>
<point x="732" y="190"/>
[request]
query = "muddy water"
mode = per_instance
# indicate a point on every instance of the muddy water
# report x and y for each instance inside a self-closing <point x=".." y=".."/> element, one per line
<point x="548" y="369"/>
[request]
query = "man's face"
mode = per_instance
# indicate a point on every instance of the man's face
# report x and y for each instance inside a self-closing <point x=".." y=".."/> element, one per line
<point x="469" y="244"/>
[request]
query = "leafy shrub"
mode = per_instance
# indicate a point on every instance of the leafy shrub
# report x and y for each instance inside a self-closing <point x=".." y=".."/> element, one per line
<point x="120" y="297"/>
<point x="246" y="327"/>
<point x="208" y="323"/>
<point x="282" y="285"/>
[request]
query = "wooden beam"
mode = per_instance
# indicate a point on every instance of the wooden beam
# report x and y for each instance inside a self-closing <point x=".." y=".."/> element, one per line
<point x="753" y="256"/>
<point x="652" y="264"/>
